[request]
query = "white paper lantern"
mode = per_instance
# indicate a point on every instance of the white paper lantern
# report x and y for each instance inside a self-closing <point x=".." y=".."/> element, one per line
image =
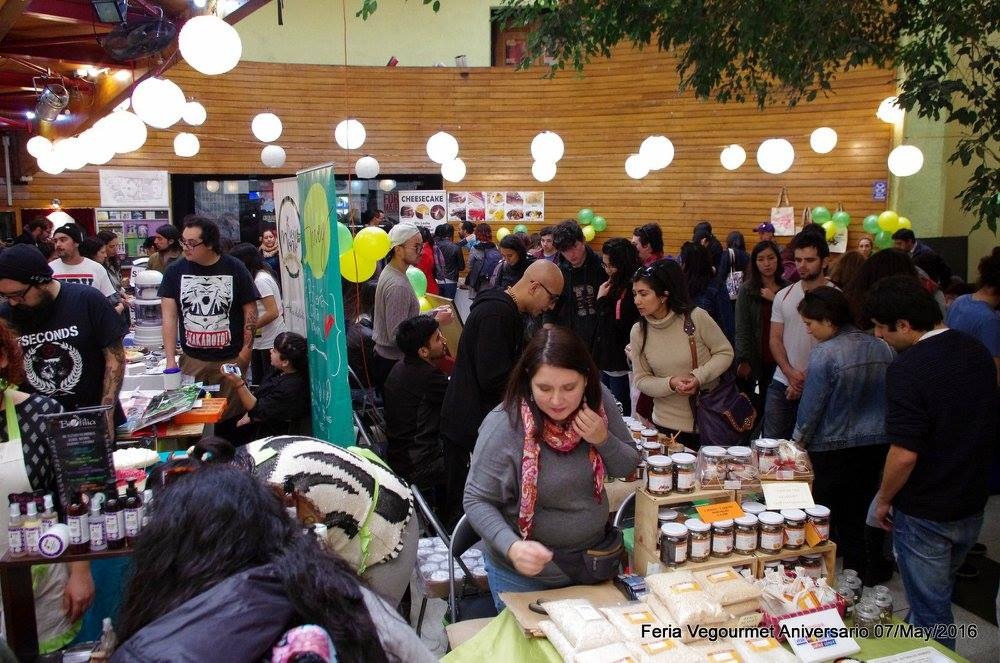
<point x="387" y="185"/>
<point x="96" y="144"/>
<point x="158" y="102"/>
<point x="732" y="157"/>
<point x="547" y="146"/>
<point x="70" y="153"/>
<point x="657" y="151"/>
<point x="124" y="105"/>
<point x="38" y="145"/>
<point x="454" y="170"/>
<point x="636" y="167"/>
<point x="212" y="186"/>
<point x="543" y="171"/>
<point x="210" y="45"/>
<point x="273" y="156"/>
<point x="366" y="167"/>
<point x="126" y="131"/>
<point x="889" y="111"/>
<point x="350" y="134"/>
<point x="186" y="145"/>
<point x="823" y="140"/>
<point x="775" y="155"/>
<point x="194" y="114"/>
<point x="51" y="163"/>
<point x="442" y="147"/>
<point x="266" y="127"/>
<point x="905" y="160"/>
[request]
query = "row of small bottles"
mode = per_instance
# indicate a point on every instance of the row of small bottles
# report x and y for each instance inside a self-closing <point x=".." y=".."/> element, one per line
<point x="28" y="521"/>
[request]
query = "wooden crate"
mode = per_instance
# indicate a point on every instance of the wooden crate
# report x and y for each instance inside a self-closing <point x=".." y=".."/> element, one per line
<point x="647" y="508"/>
<point x="828" y="550"/>
<point x="643" y="556"/>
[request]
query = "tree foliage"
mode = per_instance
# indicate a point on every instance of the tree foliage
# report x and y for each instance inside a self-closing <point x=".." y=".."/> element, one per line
<point x="789" y="51"/>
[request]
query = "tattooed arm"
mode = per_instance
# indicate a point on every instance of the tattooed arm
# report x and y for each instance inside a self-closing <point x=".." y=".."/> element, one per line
<point x="114" y="373"/>
<point x="249" y="326"/>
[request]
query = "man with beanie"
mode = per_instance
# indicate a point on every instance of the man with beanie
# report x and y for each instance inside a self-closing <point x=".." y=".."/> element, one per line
<point x="70" y="333"/>
<point x="395" y="299"/>
<point x="71" y="267"/>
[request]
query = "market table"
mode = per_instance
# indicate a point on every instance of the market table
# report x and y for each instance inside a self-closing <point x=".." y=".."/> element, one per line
<point x="503" y="640"/>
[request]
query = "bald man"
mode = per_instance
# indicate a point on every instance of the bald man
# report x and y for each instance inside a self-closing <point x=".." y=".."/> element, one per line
<point x="491" y="344"/>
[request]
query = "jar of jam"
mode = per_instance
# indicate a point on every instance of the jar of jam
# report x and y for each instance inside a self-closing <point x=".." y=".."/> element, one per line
<point x="673" y="544"/>
<point x="635" y="429"/>
<point x="819" y="516"/>
<point x="666" y="515"/>
<point x="753" y="508"/>
<point x="684" y="471"/>
<point x="795" y="528"/>
<point x="651" y="435"/>
<point x="722" y="538"/>
<point x="767" y="455"/>
<point x="746" y="534"/>
<point x="659" y="475"/>
<point x="772" y="531"/>
<point x="740" y="466"/>
<point x="713" y="469"/>
<point x="650" y="447"/>
<point x="812" y="565"/>
<point x="700" y="535"/>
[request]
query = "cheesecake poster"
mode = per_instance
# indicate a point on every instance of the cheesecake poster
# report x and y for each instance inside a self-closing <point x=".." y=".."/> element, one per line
<point x="424" y="208"/>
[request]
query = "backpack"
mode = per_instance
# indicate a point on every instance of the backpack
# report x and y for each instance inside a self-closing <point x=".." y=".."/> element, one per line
<point x="735" y="277"/>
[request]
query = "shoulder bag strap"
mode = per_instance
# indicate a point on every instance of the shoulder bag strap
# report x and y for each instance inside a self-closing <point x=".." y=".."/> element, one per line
<point x="689" y="329"/>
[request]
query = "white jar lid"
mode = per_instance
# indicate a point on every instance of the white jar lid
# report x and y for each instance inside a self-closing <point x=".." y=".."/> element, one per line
<point x="722" y="523"/>
<point x="650" y="444"/>
<point x="766" y="443"/>
<point x="649" y="432"/>
<point x="747" y="520"/>
<point x="753" y="508"/>
<point x="713" y="451"/>
<point x="793" y="514"/>
<point x="740" y="452"/>
<point x="666" y="513"/>
<point x="695" y="525"/>
<point x="636" y="426"/>
<point x="682" y="457"/>
<point x="674" y="529"/>
<point x="771" y="518"/>
<point x="818" y="511"/>
<point x="659" y="461"/>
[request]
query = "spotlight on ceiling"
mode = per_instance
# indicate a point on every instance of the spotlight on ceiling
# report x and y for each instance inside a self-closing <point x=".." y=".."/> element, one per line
<point x="53" y="99"/>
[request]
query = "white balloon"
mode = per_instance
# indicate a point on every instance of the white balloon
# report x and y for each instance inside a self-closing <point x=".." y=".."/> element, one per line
<point x="126" y="131"/>
<point x="273" y="156"/>
<point x="636" y="167"/>
<point x="96" y="144"/>
<point x="387" y="185"/>
<point x="350" y="134"/>
<point x="51" y="163"/>
<point x="454" y="170"/>
<point x="38" y="145"/>
<point x="366" y="167"/>
<point x="210" y="45"/>
<point x="213" y="185"/>
<point x="186" y="145"/>
<point x="775" y="155"/>
<point x="442" y="147"/>
<point x="823" y="140"/>
<point x="158" y="102"/>
<point x="905" y="160"/>
<point x="266" y="127"/>
<point x="70" y="153"/>
<point x="657" y="151"/>
<point x="194" y="114"/>
<point x="543" y="171"/>
<point x="889" y="111"/>
<point x="732" y="157"/>
<point x="547" y="146"/>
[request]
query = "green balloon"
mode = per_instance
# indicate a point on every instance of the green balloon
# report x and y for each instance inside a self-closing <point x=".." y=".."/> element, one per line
<point x="585" y="216"/>
<point x="520" y="228"/>
<point x="345" y="242"/>
<point x="418" y="280"/>
<point x="600" y="223"/>
<point x="870" y="224"/>
<point x="820" y="214"/>
<point x="883" y="239"/>
<point x="841" y="219"/>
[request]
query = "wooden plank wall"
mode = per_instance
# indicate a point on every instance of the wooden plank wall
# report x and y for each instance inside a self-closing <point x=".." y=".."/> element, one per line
<point x="494" y="113"/>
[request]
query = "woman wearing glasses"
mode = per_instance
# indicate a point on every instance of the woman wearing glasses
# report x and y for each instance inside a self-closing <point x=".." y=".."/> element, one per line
<point x="661" y="352"/>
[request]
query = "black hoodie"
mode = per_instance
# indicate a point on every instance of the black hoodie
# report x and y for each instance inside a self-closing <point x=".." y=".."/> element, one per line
<point x="577" y="307"/>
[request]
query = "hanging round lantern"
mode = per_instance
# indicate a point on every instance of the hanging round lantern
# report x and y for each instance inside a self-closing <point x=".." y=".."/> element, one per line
<point x="657" y="151"/>
<point x="775" y="155"/>
<point x="158" y="102"/>
<point x="889" y="111"/>
<point x="636" y="167"/>
<point x="350" y="134"/>
<point x="273" y="156"/>
<point x="126" y="131"/>
<point x="547" y="147"/>
<point x="366" y="167"/>
<point x="454" y="170"/>
<point x="732" y="157"/>
<point x="266" y="127"/>
<point x="51" y="163"/>
<point x="823" y="140"/>
<point x="442" y="147"/>
<point x="186" y="145"/>
<point x="543" y="171"/>
<point x="212" y="186"/>
<point x="96" y="145"/>
<point x="70" y="153"/>
<point x="210" y="45"/>
<point x="38" y="145"/>
<point x="905" y="160"/>
<point x="387" y="185"/>
<point x="194" y="114"/>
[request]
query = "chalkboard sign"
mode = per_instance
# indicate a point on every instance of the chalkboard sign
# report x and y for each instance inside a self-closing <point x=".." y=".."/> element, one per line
<point x="81" y="451"/>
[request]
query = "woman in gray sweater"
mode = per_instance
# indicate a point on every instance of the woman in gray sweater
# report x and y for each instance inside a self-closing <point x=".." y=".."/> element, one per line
<point x="536" y="483"/>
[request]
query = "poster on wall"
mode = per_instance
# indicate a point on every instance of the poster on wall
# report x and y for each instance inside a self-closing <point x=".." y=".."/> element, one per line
<point x="293" y="297"/>
<point x="133" y="227"/>
<point x="325" y="329"/>
<point x="424" y="208"/>
<point x="467" y="206"/>
<point x="515" y="207"/>
<point x="121" y="187"/>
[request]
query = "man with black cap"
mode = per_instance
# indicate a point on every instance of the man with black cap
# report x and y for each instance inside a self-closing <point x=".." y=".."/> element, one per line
<point x="71" y="267"/>
<point x="70" y="333"/>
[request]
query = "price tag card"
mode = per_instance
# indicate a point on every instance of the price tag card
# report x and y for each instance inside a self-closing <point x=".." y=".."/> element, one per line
<point x="787" y="495"/>
<point x="710" y="513"/>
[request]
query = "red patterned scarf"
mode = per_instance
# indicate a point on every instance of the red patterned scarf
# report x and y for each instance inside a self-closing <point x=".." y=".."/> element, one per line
<point x="558" y="438"/>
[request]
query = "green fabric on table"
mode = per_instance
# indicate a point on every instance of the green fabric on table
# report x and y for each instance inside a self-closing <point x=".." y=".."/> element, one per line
<point x="628" y="537"/>
<point x="876" y="648"/>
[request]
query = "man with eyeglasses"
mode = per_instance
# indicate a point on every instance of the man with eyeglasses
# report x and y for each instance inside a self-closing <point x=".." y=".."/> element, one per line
<point x="70" y="333"/>
<point x="490" y="345"/>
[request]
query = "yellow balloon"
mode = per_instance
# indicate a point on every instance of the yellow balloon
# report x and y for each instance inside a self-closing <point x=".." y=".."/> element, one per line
<point x="372" y="243"/>
<point x="502" y="232"/>
<point x="424" y="304"/>
<point x="888" y="221"/>
<point x="831" y="230"/>
<point x="904" y="223"/>
<point x="589" y="233"/>
<point x="356" y="268"/>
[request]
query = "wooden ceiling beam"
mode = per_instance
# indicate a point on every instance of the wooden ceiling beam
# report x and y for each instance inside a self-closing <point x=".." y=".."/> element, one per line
<point x="10" y="13"/>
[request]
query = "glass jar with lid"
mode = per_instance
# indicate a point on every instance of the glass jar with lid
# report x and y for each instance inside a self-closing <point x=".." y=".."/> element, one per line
<point x="684" y="472"/>
<point x="712" y="468"/>
<point x="635" y="429"/>
<point x="723" y="532"/>
<point x="819" y="516"/>
<point x="753" y="508"/>
<point x="795" y="528"/>
<point x="740" y="465"/>
<point x="767" y="455"/>
<point x="846" y="593"/>
<point x="812" y="565"/>
<point x="745" y="539"/>
<point x="866" y="616"/>
<point x="651" y="436"/>
<point x="659" y="475"/>
<point x="772" y="531"/>
<point x="673" y="544"/>
<point x="666" y="515"/>
<point x="883" y="599"/>
<point x="650" y="447"/>
<point x="700" y="534"/>
<point x="851" y="579"/>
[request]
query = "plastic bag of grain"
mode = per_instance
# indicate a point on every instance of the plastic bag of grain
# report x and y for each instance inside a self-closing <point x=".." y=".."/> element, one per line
<point x="684" y="596"/>
<point x="558" y="640"/>
<point x="763" y="650"/>
<point x="664" y="651"/>
<point x="717" y="651"/>
<point x="582" y="625"/>
<point x="635" y="622"/>
<point x="614" y="653"/>
<point x="727" y="586"/>
<point x="665" y="617"/>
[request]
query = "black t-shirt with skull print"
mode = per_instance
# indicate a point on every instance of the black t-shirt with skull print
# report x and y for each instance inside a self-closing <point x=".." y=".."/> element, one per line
<point x="210" y="305"/>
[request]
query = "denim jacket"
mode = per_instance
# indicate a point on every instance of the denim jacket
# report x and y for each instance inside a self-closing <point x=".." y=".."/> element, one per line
<point x="843" y="402"/>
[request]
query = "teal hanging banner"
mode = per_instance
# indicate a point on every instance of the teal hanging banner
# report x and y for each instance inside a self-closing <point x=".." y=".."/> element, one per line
<point x="325" y="330"/>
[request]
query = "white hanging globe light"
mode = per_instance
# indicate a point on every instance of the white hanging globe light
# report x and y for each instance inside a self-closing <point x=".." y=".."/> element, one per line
<point x="212" y="186"/>
<point x="732" y="157"/>
<point x="96" y="145"/>
<point x="905" y="160"/>
<point x="387" y="185"/>
<point x="210" y="45"/>
<point x="126" y="131"/>
<point x="442" y="147"/>
<point x="366" y="167"/>
<point x="823" y="140"/>
<point x="454" y="170"/>
<point x="273" y="156"/>
<point x="70" y="153"/>
<point x="657" y="151"/>
<point x="186" y="145"/>
<point x="51" y="163"/>
<point x="547" y="146"/>
<point x="158" y="102"/>
<point x="38" y="145"/>
<point x="775" y="155"/>
<point x="194" y="114"/>
<point x="350" y="134"/>
<point x="889" y="111"/>
<point x="543" y="171"/>
<point x="266" y="127"/>
<point x="636" y="167"/>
